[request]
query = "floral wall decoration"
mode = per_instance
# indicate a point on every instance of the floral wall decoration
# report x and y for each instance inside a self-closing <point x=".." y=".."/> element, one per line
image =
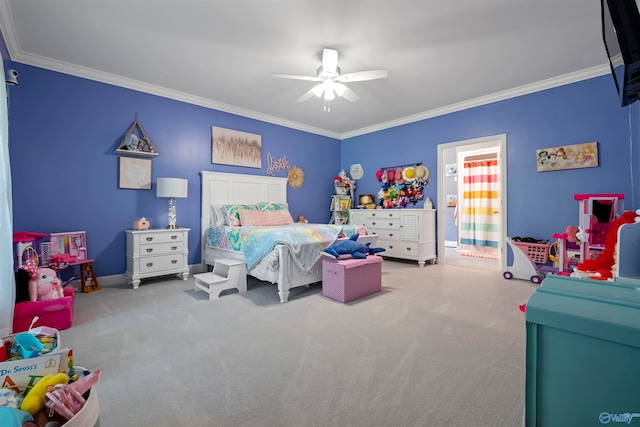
<point x="402" y="185"/>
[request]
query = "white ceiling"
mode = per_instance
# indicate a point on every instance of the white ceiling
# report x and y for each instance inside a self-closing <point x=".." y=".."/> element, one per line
<point x="441" y="55"/>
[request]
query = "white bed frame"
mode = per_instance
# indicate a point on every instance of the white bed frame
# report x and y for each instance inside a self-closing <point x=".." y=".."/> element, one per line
<point x="229" y="188"/>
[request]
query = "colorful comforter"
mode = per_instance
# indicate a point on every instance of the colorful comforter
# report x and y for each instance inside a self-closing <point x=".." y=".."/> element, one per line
<point x="305" y="241"/>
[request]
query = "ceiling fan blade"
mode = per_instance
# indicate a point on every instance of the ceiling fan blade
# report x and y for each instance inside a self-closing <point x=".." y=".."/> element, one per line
<point x="363" y="75"/>
<point x="295" y="77"/>
<point x="345" y="92"/>
<point x="308" y="94"/>
<point x="329" y="60"/>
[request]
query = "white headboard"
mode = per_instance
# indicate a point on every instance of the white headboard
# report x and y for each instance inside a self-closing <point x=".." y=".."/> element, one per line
<point x="229" y="188"/>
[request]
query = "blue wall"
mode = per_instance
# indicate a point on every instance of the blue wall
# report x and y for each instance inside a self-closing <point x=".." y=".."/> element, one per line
<point x="64" y="130"/>
<point x="539" y="204"/>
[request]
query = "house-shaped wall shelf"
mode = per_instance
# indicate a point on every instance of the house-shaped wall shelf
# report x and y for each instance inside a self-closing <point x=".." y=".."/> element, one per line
<point x="136" y="142"/>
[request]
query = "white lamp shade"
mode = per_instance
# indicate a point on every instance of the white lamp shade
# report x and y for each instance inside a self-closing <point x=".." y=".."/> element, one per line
<point x="172" y="187"/>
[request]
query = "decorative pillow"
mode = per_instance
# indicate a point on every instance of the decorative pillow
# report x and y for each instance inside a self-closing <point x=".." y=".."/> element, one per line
<point x="278" y="217"/>
<point x="233" y="217"/>
<point x="218" y="215"/>
<point x="266" y="206"/>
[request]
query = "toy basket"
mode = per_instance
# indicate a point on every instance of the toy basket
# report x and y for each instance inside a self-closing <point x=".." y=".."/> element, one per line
<point x="536" y="252"/>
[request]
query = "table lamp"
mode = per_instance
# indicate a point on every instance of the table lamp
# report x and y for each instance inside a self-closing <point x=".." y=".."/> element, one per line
<point x="172" y="188"/>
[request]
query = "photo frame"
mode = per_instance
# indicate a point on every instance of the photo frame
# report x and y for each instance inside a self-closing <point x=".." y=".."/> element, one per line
<point x="134" y="173"/>
<point x="567" y="157"/>
<point x="345" y="204"/>
<point x="235" y="148"/>
<point x="451" y="169"/>
<point x="452" y="200"/>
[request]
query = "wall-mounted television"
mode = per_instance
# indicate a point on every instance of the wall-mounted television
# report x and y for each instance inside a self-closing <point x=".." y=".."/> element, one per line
<point x="621" y="35"/>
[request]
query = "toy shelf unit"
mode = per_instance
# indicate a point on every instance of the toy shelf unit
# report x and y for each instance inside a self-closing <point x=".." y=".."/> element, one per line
<point x="340" y="205"/>
<point x="597" y="211"/>
<point x="527" y="260"/>
<point x="69" y="247"/>
<point x="27" y="245"/>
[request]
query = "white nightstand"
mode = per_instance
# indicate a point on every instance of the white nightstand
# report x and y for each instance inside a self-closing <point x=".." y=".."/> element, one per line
<point x="157" y="252"/>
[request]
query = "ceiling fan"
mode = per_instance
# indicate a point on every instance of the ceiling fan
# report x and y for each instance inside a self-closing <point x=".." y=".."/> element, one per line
<point x="331" y="81"/>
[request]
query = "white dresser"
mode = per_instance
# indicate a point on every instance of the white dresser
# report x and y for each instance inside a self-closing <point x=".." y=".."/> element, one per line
<point x="403" y="233"/>
<point x="157" y="252"/>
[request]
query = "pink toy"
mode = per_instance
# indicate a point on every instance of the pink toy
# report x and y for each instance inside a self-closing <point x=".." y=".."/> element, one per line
<point x="45" y="285"/>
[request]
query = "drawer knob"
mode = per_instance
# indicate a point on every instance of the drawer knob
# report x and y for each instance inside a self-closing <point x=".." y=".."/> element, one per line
<point x="390" y="246"/>
<point x="149" y="239"/>
<point x="373" y="223"/>
<point x="408" y="249"/>
<point x="390" y="224"/>
<point x="149" y="250"/>
<point x="173" y="248"/>
<point x="390" y="234"/>
<point x="174" y="237"/>
<point x="149" y="264"/>
<point x="174" y="261"/>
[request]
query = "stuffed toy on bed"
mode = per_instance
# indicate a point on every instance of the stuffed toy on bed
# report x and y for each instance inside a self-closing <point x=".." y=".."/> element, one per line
<point x="351" y="247"/>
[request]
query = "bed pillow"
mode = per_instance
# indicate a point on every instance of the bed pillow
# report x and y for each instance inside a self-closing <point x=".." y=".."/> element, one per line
<point x="233" y="217"/>
<point x="266" y="206"/>
<point x="218" y="215"/>
<point x="276" y="217"/>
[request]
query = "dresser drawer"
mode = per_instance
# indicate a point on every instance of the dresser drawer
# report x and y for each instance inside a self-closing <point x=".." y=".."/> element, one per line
<point x="160" y="238"/>
<point x="399" y="249"/>
<point x="160" y="248"/>
<point x="381" y="214"/>
<point x="160" y="263"/>
<point x="382" y="223"/>
<point x="383" y="234"/>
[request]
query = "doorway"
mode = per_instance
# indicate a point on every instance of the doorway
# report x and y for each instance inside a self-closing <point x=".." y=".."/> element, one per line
<point x="451" y="159"/>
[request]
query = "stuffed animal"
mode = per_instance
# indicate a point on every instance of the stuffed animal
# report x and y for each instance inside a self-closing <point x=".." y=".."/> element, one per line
<point x="352" y="247"/>
<point x="45" y="285"/>
<point x="302" y="219"/>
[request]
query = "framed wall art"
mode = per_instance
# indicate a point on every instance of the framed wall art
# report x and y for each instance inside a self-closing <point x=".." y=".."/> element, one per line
<point x="568" y="157"/>
<point x="135" y="173"/>
<point x="452" y="169"/>
<point x="235" y="148"/>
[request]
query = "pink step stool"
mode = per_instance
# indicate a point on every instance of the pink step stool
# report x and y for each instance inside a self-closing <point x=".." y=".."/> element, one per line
<point x="347" y="279"/>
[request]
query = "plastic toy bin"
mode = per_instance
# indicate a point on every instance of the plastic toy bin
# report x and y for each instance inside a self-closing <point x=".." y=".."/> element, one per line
<point x="582" y="352"/>
<point x="348" y="279"/>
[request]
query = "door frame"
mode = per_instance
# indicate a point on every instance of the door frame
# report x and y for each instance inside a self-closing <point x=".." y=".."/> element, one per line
<point x="502" y="163"/>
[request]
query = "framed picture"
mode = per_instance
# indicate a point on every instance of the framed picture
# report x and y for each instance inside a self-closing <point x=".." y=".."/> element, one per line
<point x="452" y="169"/>
<point x="452" y="200"/>
<point x="135" y="173"/>
<point x="567" y="157"/>
<point x="235" y="148"/>
<point x="345" y="204"/>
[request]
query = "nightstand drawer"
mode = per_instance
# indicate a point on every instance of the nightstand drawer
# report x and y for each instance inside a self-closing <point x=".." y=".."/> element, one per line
<point x="160" y="248"/>
<point x="160" y="263"/>
<point x="160" y="238"/>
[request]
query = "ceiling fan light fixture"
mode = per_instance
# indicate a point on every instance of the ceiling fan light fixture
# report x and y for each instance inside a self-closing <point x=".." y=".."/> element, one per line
<point x="318" y="90"/>
<point x="329" y="94"/>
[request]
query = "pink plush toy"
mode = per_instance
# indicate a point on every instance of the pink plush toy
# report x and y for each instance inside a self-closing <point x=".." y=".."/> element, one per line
<point x="45" y="285"/>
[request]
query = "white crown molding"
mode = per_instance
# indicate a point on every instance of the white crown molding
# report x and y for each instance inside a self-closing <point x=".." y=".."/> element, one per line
<point x="8" y="30"/>
<point x="483" y="100"/>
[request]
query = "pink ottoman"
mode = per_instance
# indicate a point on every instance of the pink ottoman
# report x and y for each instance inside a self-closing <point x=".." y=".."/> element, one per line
<point x="348" y="279"/>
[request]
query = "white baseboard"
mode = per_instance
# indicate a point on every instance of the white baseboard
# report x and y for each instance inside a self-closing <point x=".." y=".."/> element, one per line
<point x="121" y="279"/>
<point x="450" y="244"/>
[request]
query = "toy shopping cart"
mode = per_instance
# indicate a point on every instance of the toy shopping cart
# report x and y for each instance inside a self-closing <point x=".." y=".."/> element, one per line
<point x="526" y="256"/>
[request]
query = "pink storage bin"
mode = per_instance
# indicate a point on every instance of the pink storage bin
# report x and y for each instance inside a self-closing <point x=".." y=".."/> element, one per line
<point x="348" y="279"/>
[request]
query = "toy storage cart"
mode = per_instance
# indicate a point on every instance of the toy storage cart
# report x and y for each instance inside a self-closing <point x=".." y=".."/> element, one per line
<point x="525" y="258"/>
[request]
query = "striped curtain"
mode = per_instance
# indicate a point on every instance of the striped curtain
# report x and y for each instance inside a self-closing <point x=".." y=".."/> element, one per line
<point x="479" y="210"/>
